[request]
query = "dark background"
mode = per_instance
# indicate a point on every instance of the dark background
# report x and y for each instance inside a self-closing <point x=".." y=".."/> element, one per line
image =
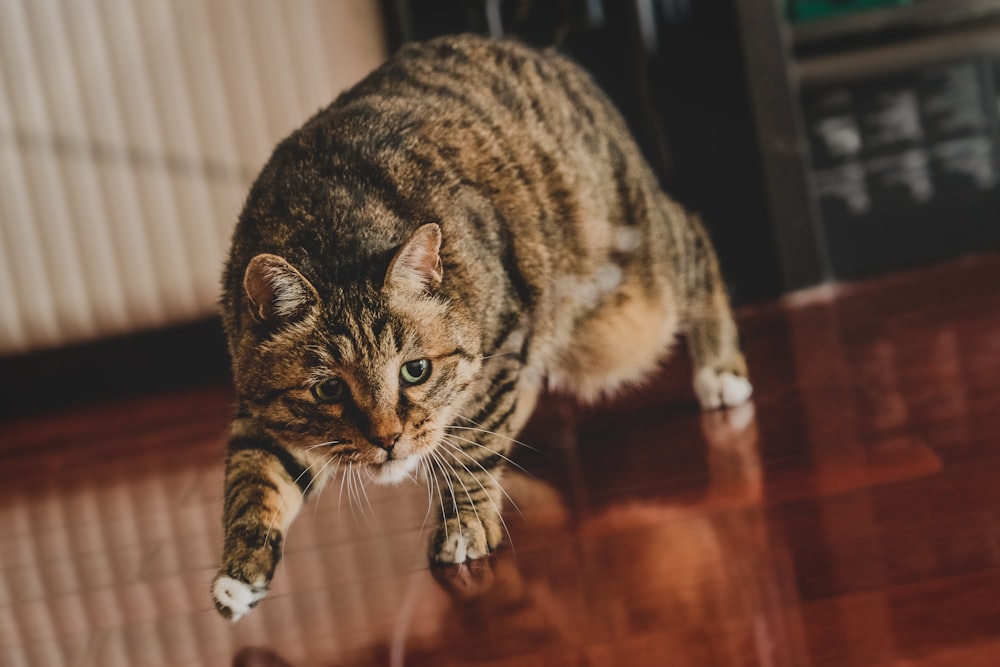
<point x="678" y="76"/>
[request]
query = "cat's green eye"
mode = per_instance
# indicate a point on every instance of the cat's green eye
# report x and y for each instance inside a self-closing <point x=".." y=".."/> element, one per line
<point x="332" y="390"/>
<point x="415" y="372"/>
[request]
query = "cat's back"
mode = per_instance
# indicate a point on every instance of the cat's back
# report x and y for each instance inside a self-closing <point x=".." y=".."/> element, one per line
<point x="449" y="120"/>
<point x="515" y="153"/>
<point x="482" y="83"/>
<point x="496" y="114"/>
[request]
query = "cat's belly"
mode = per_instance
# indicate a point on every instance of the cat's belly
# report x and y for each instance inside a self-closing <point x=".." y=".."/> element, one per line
<point x="618" y="343"/>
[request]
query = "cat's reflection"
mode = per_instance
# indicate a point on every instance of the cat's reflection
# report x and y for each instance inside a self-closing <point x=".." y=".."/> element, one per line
<point x="646" y="579"/>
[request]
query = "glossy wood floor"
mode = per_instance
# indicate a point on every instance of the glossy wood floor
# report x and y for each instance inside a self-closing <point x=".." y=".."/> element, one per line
<point x="851" y="516"/>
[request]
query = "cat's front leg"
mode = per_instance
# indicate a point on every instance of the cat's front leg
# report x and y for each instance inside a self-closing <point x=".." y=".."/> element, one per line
<point x="264" y="489"/>
<point x="469" y="496"/>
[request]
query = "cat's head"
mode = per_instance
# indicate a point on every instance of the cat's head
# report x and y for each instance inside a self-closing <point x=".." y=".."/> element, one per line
<point x="366" y="373"/>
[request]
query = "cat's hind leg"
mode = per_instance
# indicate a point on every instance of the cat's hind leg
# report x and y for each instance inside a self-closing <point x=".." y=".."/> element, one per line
<point x="720" y="369"/>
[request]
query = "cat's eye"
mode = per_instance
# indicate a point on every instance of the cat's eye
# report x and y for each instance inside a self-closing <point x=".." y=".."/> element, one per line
<point x="331" y="390"/>
<point x="415" y="372"/>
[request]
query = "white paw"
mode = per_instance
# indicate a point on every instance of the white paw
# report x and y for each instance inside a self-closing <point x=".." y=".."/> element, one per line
<point x="456" y="549"/>
<point x="718" y="390"/>
<point x="235" y="598"/>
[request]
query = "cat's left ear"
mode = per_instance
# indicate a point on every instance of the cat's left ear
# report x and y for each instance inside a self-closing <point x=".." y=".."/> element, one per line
<point x="417" y="265"/>
<point x="277" y="292"/>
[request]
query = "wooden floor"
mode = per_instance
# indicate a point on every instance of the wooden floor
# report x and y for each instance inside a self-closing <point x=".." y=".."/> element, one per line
<point x="851" y="516"/>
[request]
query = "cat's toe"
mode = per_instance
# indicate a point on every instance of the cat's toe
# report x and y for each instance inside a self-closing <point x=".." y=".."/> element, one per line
<point x="234" y="598"/>
<point x="736" y="390"/>
<point x="454" y="549"/>
<point x="459" y="546"/>
<point x="721" y="390"/>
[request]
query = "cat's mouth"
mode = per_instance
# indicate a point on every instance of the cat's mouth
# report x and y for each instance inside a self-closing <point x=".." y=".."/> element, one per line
<point x="394" y="471"/>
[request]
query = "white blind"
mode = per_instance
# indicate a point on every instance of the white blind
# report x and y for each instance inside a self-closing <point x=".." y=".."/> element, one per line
<point x="130" y="131"/>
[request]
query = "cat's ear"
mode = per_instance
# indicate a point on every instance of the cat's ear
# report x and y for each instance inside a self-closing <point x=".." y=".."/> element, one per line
<point x="278" y="293"/>
<point x="417" y="265"/>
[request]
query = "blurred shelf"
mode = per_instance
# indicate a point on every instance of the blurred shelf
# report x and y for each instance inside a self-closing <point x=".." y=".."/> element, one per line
<point x="860" y="63"/>
<point x="925" y="15"/>
<point x="942" y="57"/>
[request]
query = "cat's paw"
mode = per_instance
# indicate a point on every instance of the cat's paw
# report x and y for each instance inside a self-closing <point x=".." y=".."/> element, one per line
<point x="721" y="389"/>
<point x="234" y="598"/>
<point x="459" y="547"/>
<point x="461" y="542"/>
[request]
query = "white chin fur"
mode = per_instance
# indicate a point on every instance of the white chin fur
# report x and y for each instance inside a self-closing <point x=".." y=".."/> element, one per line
<point x="394" y="472"/>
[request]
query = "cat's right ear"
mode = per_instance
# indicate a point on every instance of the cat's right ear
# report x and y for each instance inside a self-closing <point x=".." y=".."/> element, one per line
<point x="277" y="292"/>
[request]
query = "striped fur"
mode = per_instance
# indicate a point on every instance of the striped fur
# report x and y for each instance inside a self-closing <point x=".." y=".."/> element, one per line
<point x="475" y="204"/>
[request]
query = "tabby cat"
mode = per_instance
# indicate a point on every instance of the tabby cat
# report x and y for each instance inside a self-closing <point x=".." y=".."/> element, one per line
<point x="469" y="224"/>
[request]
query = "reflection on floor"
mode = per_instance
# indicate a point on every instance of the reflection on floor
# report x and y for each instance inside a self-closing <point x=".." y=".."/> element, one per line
<point x="850" y="516"/>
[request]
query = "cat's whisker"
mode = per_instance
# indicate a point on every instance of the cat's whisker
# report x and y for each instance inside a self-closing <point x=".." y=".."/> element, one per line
<point x="274" y="515"/>
<point x="488" y="496"/>
<point x="498" y="354"/>
<point x="340" y="495"/>
<point x="432" y="460"/>
<point x="305" y="491"/>
<point x="482" y="446"/>
<point x="454" y="448"/>
<point x="324" y="444"/>
<point x="422" y="468"/>
<point x="358" y="488"/>
<point x="437" y="491"/>
<point x="445" y="468"/>
<point x="354" y="481"/>
<point x="364" y="490"/>
<point x="459" y="449"/>
<point x="428" y="476"/>
<point x="319" y="493"/>
<point x="318" y="475"/>
<point x="458" y="478"/>
<point x="499" y="435"/>
<point x="350" y="491"/>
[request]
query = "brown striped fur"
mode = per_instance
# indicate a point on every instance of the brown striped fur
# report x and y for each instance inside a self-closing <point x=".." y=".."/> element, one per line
<point x="476" y="204"/>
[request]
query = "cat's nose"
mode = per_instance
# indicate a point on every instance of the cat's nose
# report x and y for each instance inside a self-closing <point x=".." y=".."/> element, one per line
<point x="386" y="441"/>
